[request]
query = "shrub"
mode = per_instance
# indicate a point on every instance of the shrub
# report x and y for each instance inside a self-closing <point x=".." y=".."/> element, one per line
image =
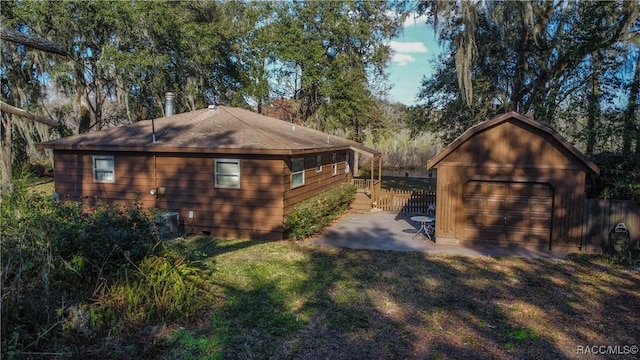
<point x="619" y="177"/>
<point x="628" y="257"/>
<point x="114" y="237"/>
<point x="625" y="251"/>
<point x="55" y="254"/>
<point x="162" y="289"/>
<point x="312" y="215"/>
<point x="29" y="263"/>
<point x="72" y="270"/>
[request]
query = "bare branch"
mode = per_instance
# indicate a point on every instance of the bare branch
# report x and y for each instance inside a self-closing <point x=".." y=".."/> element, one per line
<point x="32" y="41"/>
<point x="25" y="114"/>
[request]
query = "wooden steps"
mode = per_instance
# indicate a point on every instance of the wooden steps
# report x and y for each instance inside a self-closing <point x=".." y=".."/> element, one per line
<point x="362" y="204"/>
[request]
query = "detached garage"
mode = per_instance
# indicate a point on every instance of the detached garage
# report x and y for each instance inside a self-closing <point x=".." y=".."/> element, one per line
<point x="511" y="181"/>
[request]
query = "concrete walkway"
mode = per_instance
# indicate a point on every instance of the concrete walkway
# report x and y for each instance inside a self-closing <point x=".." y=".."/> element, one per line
<point x="380" y="230"/>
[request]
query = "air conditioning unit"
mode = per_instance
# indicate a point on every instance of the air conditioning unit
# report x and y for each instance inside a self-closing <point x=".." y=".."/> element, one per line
<point x="168" y="224"/>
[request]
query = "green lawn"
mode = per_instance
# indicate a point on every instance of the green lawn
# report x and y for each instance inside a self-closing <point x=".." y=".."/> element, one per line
<point x="291" y="300"/>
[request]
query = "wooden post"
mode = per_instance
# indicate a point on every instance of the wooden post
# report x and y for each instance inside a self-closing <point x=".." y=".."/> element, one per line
<point x="356" y="162"/>
<point x="372" y="170"/>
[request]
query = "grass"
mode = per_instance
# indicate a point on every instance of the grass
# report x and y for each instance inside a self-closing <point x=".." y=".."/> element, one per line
<point x="291" y="300"/>
<point x="44" y="186"/>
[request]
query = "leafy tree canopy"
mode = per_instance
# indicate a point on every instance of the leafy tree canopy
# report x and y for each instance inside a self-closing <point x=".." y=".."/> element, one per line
<point x="530" y="57"/>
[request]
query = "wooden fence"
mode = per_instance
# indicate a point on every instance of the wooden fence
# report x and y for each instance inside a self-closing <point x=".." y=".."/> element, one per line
<point x="405" y="201"/>
<point x="601" y="218"/>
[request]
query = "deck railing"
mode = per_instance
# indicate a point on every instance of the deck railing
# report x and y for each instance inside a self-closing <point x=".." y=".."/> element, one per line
<point x="364" y="186"/>
<point x="400" y="201"/>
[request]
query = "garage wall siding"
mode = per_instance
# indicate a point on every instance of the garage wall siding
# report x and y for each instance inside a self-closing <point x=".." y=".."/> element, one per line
<point x="567" y="203"/>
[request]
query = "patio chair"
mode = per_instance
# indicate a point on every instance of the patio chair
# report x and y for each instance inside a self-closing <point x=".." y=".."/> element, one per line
<point x="431" y="210"/>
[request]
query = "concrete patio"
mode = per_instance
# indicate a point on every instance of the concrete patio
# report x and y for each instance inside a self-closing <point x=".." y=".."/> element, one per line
<point x="380" y="230"/>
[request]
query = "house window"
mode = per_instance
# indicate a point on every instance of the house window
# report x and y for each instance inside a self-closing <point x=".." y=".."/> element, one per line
<point x="297" y="172"/>
<point x="335" y="164"/>
<point x="103" y="169"/>
<point x="227" y="173"/>
<point x="318" y="163"/>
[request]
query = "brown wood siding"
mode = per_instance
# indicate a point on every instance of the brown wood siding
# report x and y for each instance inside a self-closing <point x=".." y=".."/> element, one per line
<point x="315" y="182"/>
<point x="254" y="210"/>
<point x="133" y="177"/>
<point x="567" y="202"/>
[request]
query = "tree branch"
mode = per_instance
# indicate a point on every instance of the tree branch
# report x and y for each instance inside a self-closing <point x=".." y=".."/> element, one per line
<point x="32" y="41"/>
<point x="25" y="114"/>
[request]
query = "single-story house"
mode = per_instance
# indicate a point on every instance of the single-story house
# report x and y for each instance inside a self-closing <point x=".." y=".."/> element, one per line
<point x="511" y="181"/>
<point x="226" y="171"/>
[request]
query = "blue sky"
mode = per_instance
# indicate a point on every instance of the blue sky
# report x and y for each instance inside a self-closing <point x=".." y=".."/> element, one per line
<point x="413" y="52"/>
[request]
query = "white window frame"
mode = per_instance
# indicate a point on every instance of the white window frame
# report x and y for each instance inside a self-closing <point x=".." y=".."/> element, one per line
<point x="295" y="173"/>
<point x="217" y="174"/>
<point x="318" y="163"/>
<point x="335" y="164"/>
<point x="108" y="170"/>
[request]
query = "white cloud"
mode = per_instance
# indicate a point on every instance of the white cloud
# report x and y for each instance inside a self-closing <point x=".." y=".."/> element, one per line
<point x="408" y="47"/>
<point x="414" y="20"/>
<point x="402" y="59"/>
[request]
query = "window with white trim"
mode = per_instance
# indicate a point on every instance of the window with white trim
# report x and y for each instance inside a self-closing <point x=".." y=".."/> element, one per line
<point x="227" y="173"/>
<point x="335" y="164"/>
<point x="103" y="169"/>
<point x="318" y="163"/>
<point x="297" y="172"/>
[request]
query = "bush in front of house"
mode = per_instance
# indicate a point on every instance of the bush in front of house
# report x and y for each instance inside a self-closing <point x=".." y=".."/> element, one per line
<point x="72" y="271"/>
<point x="312" y="215"/>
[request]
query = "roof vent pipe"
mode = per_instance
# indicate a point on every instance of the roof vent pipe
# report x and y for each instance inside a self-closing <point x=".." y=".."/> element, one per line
<point x="169" y="103"/>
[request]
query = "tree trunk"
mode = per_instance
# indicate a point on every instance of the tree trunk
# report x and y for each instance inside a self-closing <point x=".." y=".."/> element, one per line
<point x="630" y="119"/>
<point x="5" y="151"/>
<point x="520" y="71"/>
<point x="593" y="105"/>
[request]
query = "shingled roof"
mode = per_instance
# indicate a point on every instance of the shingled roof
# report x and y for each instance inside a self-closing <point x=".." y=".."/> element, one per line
<point x="221" y="129"/>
